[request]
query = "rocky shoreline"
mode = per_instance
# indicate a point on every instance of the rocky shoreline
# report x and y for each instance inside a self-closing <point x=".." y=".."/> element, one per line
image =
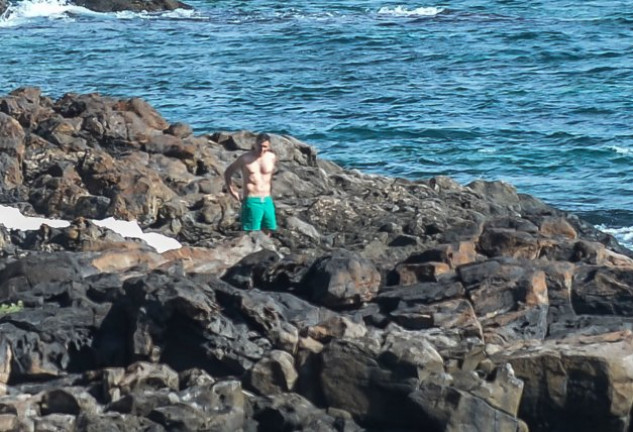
<point x="120" y="5"/>
<point x="381" y="304"/>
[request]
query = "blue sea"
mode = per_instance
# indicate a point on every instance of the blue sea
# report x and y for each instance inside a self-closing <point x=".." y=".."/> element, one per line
<point x="535" y="93"/>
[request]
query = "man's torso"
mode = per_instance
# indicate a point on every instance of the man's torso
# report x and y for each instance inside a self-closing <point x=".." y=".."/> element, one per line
<point x="257" y="173"/>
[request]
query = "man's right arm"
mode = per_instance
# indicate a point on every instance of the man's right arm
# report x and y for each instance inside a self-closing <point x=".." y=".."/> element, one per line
<point x="228" y="174"/>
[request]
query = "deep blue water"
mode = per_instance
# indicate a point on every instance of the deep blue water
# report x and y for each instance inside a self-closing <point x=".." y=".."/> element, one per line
<point x="535" y="93"/>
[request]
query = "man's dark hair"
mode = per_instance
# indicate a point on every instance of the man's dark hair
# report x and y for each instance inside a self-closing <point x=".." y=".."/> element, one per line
<point x="262" y="137"/>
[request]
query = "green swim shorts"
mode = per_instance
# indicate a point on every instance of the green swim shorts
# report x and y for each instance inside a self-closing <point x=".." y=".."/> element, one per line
<point x="258" y="213"/>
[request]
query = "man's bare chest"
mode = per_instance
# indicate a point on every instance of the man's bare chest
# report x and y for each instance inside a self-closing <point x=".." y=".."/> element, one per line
<point x="260" y="167"/>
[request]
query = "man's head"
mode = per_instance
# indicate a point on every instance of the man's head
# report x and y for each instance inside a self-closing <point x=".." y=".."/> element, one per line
<point x="262" y="143"/>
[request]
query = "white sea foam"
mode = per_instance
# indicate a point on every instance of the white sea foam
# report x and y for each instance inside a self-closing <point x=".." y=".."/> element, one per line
<point x="407" y="12"/>
<point x="622" y="150"/>
<point x="624" y="235"/>
<point x="187" y="14"/>
<point x="21" y="12"/>
<point x="12" y="219"/>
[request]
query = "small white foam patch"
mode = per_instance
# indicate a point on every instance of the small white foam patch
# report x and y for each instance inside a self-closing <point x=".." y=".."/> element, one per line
<point x="188" y="14"/>
<point x="622" y="150"/>
<point x="407" y="12"/>
<point x="12" y="219"/>
<point x="624" y="235"/>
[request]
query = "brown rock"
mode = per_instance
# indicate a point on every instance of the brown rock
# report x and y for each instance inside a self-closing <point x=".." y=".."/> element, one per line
<point x="511" y="243"/>
<point x="503" y="286"/>
<point x="273" y="374"/>
<point x="559" y="279"/>
<point x="586" y="384"/>
<point x="150" y="116"/>
<point x="603" y="290"/>
<point x="341" y="279"/>
<point x="11" y="137"/>
<point x="454" y="254"/>
<point x="452" y="314"/>
<point x="557" y="227"/>
<point x="409" y="274"/>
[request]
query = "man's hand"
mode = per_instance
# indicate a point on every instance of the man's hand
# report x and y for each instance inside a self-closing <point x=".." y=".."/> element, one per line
<point x="234" y="193"/>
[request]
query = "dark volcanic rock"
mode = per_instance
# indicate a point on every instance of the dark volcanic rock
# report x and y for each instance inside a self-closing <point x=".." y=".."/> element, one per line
<point x="386" y="303"/>
<point x="131" y="5"/>
<point x="341" y="279"/>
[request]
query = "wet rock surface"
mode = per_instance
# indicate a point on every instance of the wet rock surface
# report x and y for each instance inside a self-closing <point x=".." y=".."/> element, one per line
<point x="380" y="304"/>
<point x="131" y="5"/>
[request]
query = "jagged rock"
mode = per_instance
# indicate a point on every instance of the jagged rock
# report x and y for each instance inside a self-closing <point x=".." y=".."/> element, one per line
<point x="403" y="305"/>
<point x="559" y="279"/>
<point x="341" y="279"/>
<point x="250" y="271"/>
<point x="70" y="400"/>
<point x="180" y="130"/>
<point x="557" y="227"/>
<point x="131" y="5"/>
<point x="27" y="106"/>
<point x="142" y="403"/>
<point x="274" y="373"/>
<point x="451" y="314"/>
<point x="292" y="412"/>
<point x="525" y="324"/>
<point x="603" y="290"/>
<point x="503" y="285"/>
<point x="424" y="293"/>
<point x="336" y="327"/>
<point x="458" y="410"/>
<point x="12" y="151"/>
<point x="500" y="196"/>
<point x="354" y="378"/>
<point x="582" y="386"/>
<point x="54" y="423"/>
<point x="223" y="402"/>
<point x="510" y="243"/>
<point x="114" y="422"/>
<point x="47" y="342"/>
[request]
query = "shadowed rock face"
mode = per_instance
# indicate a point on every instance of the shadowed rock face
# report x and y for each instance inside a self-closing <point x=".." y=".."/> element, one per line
<point x="131" y="5"/>
<point x="380" y="303"/>
<point x="3" y="6"/>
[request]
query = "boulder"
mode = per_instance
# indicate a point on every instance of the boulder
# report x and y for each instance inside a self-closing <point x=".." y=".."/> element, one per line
<point x="130" y="5"/>
<point x="341" y="279"/>
<point x="581" y="385"/>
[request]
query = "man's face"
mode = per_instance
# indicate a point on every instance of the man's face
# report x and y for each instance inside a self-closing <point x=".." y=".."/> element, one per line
<point x="264" y="147"/>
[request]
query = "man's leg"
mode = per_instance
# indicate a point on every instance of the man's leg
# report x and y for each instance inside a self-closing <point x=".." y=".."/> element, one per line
<point x="269" y="220"/>
<point x="252" y="213"/>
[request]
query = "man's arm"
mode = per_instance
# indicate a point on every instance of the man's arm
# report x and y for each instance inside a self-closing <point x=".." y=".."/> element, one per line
<point x="228" y="174"/>
<point x="275" y="169"/>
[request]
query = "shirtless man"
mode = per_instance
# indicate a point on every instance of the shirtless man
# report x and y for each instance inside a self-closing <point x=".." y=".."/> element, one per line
<point x="257" y="167"/>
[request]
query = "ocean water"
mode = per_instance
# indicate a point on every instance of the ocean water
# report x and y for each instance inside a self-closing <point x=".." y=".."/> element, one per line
<point x="535" y="93"/>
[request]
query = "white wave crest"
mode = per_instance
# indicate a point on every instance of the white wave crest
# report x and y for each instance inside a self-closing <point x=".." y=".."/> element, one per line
<point x="624" y="234"/>
<point x="187" y="14"/>
<point x="622" y="150"/>
<point x="20" y="12"/>
<point x="406" y="12"/>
